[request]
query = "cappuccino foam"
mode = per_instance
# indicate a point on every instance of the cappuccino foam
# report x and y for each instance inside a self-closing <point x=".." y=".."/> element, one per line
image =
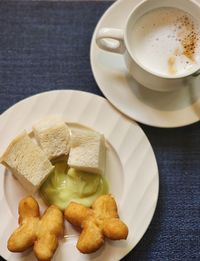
<point x="167" y="41"/>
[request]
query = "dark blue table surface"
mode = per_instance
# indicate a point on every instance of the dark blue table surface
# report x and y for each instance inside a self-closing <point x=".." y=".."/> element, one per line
<point x="45" y="46"/>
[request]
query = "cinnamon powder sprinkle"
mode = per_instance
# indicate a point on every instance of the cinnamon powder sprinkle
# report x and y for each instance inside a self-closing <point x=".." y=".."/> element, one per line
<point x="189" y="45"/>
<point x="189" y="37"/>
<point x="171" y="63"/>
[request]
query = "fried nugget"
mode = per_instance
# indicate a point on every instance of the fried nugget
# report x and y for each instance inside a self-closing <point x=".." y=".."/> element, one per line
<point x="41" y="233"/>
<point x="100" y="221"/>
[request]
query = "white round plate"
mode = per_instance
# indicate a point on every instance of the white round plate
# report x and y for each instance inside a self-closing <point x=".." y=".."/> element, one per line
<point x="172" y="109"/>
<point x="131" y="169"/>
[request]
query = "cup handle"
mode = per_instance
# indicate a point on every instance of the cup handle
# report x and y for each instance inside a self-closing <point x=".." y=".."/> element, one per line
<point x="111" y="40"/>
<point x="196" y="73"/>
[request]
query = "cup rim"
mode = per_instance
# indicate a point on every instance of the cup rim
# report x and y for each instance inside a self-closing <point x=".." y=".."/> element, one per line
<point x="160" y="75"/>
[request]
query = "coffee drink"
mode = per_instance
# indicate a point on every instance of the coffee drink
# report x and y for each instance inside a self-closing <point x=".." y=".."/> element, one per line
<point x="166" y="41"/>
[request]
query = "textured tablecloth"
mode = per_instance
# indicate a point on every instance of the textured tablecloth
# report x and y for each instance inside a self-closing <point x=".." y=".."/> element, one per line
<point x="45" y="46"/>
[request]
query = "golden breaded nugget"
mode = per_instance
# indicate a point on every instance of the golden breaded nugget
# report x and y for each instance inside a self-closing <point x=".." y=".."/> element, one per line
<point x="100" y="221"/>
<point x="42" y="233"/>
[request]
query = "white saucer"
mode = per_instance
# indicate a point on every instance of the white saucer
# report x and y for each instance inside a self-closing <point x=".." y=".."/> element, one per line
<point x="157" y="109"/>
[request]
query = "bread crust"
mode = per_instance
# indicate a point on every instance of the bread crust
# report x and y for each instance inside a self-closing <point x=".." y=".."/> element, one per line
<point x="27" y="162"/>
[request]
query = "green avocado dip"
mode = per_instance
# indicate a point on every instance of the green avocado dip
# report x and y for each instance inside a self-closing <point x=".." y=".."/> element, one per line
<point x="68" y="184"/>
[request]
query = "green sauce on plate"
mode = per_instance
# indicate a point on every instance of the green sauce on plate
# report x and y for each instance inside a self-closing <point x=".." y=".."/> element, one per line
<point x="68" y="184"/>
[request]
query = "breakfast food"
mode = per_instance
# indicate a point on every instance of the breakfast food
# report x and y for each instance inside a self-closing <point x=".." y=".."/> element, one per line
<point x="100" y="221"/>
<point x="53" y="136"/>
<point x="27" y="162"/>
<point x="87" y="151"/>
<point x="72" y="184"/>
<point x="66" y="184"/>
<point x="42" y="233"/>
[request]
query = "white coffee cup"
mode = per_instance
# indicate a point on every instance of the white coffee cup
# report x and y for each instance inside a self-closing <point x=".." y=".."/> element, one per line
<point x="121" y="45"/>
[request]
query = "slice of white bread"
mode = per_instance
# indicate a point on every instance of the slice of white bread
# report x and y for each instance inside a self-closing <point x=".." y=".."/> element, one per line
<point x="53" y="136"/>
<point x="27" y="162"/>
<point x="87" y="151"/>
